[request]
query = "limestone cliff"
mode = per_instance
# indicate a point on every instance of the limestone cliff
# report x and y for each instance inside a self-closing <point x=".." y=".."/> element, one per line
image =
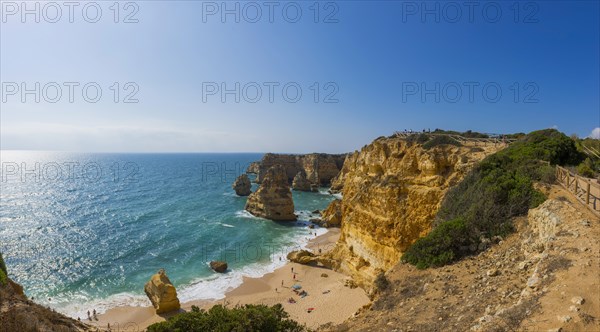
<point x="273" y="199"/>
<point x="319" y="168"/>
<point x="392" y="190"/>
<point x="18" y="313"/>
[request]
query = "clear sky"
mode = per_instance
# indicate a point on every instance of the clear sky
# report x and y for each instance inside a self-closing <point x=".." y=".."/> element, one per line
<point x="497" y="67"/>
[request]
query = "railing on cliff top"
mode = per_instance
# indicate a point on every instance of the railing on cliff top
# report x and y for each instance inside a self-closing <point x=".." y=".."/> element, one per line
<point x="585" y="190"/>
<point x="493" y="139"/>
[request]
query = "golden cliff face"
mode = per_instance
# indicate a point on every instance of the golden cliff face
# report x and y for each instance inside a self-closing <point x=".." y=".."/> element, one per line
<point x="392" y="190"/>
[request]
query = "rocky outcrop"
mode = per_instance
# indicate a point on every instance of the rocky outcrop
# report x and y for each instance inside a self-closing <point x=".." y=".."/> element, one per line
<point x="332" y="215"/>
<point x="253" y="167"/>
<point x="319" y="168"/>
<point x="242" y="185"/>
<point x="391" y="192"/>
<point x="301" y="183"/>
<point x="306" y="257"/>
<point x="273" y="199"/>
<point x="537" y="279"/>
<point x="162" y="293"/>
<point x="218" y="266"/>
<point x="18" y="313"/>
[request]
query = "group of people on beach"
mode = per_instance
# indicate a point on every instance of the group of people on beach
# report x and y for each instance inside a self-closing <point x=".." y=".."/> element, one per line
<point x="90" y="316"/>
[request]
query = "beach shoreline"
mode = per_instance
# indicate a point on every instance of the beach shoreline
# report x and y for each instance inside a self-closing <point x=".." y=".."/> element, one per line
<point x="275" y="287"/>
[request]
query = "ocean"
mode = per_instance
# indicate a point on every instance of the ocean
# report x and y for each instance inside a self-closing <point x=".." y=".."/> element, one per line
<point x="87" y="231"/>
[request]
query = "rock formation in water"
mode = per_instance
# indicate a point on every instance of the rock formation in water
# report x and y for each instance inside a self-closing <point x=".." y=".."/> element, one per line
<point x="242" y="185"/>
<point x="391" y="191"/>
<point x="253" y="167"/>
<point x="320" y="168"/>
<point x="218" y="266"/>
<point x="332" y="215"/>
<point x="162" y="293"/>
<point x="273" y="199"/>
<point x="301" y="183"/>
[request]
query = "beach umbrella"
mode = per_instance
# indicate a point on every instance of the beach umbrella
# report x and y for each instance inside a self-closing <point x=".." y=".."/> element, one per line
<point x="296" y="286"/>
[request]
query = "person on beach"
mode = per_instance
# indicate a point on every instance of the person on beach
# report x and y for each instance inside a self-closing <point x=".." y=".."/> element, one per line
<point x="281" y="282"/>
<point x="276" y="290"/>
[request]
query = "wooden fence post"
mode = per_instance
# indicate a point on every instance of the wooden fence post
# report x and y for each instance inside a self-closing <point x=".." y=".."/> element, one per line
<point x="587" y="195"/>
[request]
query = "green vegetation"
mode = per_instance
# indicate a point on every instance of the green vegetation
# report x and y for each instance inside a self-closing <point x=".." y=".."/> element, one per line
<point x="381" y="282"/>
<point x="496" y="190"/>
<point x="418" y="138"/>
<point x="587" y="168"/>
<point x="239" y="319"/>
<point x="590" y="167"/>
<point x="467" y="134"/>
<point x="440" y="140"/>
<point x="3" y="272"/>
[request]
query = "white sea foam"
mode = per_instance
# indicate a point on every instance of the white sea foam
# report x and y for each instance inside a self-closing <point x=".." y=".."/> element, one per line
<point x="80" y="307"/>
<point x="245" y="214"/>
<point x="213" y="287"/>
<point x="227" y="225"/>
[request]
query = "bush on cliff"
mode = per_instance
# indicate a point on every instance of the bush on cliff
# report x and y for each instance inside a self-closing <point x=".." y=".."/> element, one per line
<point x="3" y="272"/>
<point x="440" y="140"/>
<point x="496" y="190"/>
<point x="440" y="247"/>
<point x="220" y="319"/>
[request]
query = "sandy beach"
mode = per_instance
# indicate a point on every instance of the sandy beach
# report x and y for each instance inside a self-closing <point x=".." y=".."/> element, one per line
<point x="331" y="300"/>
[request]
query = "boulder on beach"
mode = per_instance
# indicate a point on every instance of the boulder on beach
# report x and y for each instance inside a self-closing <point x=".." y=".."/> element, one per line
<point x="218" y="266"/>
<point x="162" y="293"/>
<point x="242" y="185"/>
<point x="301" y="256"/>
<point x="273" y="199"/>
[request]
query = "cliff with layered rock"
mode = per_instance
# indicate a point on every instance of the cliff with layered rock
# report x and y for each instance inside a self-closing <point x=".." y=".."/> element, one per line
<point x="392" y="189"/>
<point x="543" y="277"/>
<point x="18" y="313"/>
<point x="319" y="168"/>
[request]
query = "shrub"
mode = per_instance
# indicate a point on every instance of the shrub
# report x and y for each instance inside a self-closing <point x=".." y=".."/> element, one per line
<point x="586" y="168"/>
<point x="442" y="246"/>
<point x="3" y="272"/>
<point x="381" y="282"/>
<point x="499" y="188"/>
<point x="221" y="319"/>
<point x="420" y="138"/>
<point x="441" y="140"/>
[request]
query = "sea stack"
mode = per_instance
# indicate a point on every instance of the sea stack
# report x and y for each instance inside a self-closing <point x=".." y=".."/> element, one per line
<point x="162" y="293"/>
<point x="301" y="183"/>
<point x="273" y="199"/>
<point x="242" y="185"/>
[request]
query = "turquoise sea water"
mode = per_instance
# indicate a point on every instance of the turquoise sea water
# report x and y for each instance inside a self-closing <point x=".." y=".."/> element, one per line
<point x="82" y="231"/>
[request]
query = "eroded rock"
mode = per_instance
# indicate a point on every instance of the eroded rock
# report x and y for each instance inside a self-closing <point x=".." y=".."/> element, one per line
<point x="162" y="293"/>
<point x="242" y="185"/>
<point x="273" y="199"/>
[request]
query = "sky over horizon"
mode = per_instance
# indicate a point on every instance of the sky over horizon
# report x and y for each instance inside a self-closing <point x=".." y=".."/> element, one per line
<point x="298" y="77"/>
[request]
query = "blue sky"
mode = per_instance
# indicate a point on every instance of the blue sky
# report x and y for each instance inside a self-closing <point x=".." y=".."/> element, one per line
<point x="371" y="62"/>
